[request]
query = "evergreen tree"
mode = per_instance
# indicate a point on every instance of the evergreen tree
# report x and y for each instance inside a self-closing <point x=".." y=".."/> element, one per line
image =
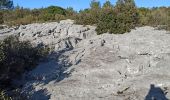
<point x="119" y="20"/>
<point x="95" y="4"/>
<point x="107" y="5"/>
<point x="70" y="11"/>
<point x="128" y="10"/>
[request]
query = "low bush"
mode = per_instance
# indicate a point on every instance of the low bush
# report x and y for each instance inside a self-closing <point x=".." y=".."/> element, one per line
<point x="17" y="57"/>
<point x="3" y="96"/>
<point x="126" y="16"/>
<point x="1" y="17"/>
<point x="59" y="17"/>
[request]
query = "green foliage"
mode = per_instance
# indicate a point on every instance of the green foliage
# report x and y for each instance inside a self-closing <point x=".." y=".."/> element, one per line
<point x="119" y="20"/>
<point x="70" y="13"/>
<point x="23" y="16"/>
<point x="168" y="22"/>
<point x="59" y="17"/>
<point x="155" y="17"/>
<point x="89" y="16"/>
<point x="107" y="5"/>
<point x="3" y="96"/>
<point x="1" y="17"/>
<point x="107" y="20"/>
<point x="125" y="13"/>
<point x="17" y="57"/>
<point x="95" y="4"/>
<point x="55" y="10"/>
<point x="52" y="13"/>
<point x="6" y="4"/>
<point x="159" y="16"/>
<point x="144" y="16"/>
<point x="128" y="10"/>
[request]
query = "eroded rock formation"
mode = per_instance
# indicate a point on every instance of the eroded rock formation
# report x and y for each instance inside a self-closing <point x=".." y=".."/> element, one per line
<point x="86" y="66"/>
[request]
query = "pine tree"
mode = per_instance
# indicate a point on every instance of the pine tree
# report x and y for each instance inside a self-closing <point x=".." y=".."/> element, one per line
<point x="128" y="10"/>
<point x="119" y="20"/>
<point x="107" y="5"/>
<point x="95" y="4"/>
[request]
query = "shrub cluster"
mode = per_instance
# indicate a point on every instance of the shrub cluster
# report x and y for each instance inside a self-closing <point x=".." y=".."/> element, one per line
<point x="3" y="96"/>
<point x="89" y="16"/>
<point x="17" y="57"/>
<point x="117" y="19"/>
<point x="20" y="15"/>
<point x="155" y="16"/>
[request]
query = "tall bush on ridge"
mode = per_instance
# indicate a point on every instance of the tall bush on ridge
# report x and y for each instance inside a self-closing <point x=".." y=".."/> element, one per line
<point x="89" y="16"/>
<point x="119" y="20"/>
<point x="70" y="12"/>
<point x="95" y="5"/>
<point x="95" y="8"/>
<point x="107" y="5"/>
<point x="128" y="9"/>
<point x="107" y="22"/>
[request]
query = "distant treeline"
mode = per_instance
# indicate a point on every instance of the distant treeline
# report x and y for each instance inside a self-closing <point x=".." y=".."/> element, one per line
<point x="118" y="18"/>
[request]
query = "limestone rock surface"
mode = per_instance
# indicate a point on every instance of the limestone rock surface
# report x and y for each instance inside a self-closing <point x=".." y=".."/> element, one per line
<point x="86" y="66"/>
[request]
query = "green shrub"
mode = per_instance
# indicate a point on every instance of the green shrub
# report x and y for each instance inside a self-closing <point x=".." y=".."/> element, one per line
<point x="89" y="16"/>
<point x="107" y="21"/>
<point x="70" y="13"/>
<point x="55" y="10"/>
<point x="18" y="57"/>
<point x="168" y="25"/>
<point x="107" y="5"/>
<point x="86" y="18"/>
<point x="1" y="17"/>
<point x="22" y="21"/>
<point x="59" y="17"/>
<point x="119" y="20"/>
<point x="127" y="15"/>
<point x="3" y="96"/>
<point x="144" y="16"/>
<point x="20" y="15"/>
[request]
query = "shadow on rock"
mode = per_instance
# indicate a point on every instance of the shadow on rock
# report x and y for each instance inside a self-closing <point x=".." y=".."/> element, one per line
<point x="62" y="64"/>
<point x="54" y="69"/>
<point x="41" y="95"/>
<point x="156" y="93"/>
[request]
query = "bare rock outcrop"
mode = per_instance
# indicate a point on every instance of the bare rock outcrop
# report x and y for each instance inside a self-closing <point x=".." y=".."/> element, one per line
<point x="86" y="66"/>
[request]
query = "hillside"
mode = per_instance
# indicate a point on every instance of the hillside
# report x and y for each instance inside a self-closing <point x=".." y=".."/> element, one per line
<point x="86" y="66"/>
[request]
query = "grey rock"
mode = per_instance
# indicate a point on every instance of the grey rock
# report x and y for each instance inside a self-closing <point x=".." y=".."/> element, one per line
<point x="86" y="66"/>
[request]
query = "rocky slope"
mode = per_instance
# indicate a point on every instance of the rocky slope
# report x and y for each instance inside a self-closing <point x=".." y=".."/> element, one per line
<point x="86" y="66"/>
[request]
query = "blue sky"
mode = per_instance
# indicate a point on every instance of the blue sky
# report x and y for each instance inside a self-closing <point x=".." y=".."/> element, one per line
<point x="81" y="4"/>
